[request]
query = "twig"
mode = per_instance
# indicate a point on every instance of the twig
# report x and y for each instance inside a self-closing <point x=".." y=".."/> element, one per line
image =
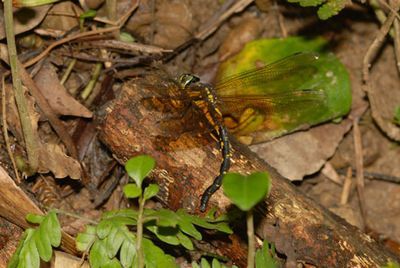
<point x="377" y="43"/>
<point x="66" y="40"/>
<point x="346" y="187"/>
<point x="95" y="76"/>
<point x="68" y="71"/>
<point x="221" y="16"/>
<point x="31" y="140"/>
<point x="358" y="151"/>
<point x="375" y="176"/>
<point x="396" y="39"/>
<point x="136" y="47"/>
<point x="5" y="131"/>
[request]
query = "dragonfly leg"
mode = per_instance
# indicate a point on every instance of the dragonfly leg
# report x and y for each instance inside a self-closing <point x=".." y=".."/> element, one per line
<point x="225" y="165"/>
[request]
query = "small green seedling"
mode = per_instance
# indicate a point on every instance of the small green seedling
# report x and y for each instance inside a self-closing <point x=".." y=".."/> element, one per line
<point x="246" y="192"/>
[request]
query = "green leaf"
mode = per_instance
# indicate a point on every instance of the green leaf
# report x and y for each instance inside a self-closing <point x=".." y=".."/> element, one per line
<point x="114" y="241"/>
<point x="139" y="167"/>
<point x="246" y="191"/>
<point x="29" y="256"/>
<point x="132" y="190"/>
<point x="98" y="254"/>
<point x="185" y="241"/>
<point x="155" y="257"/>
<point x="13" y="263"/>
<point x="165" y="234"/>
<point x="126" y="214"/>
<point x="150" y="191"/>
<point x="207" y="223"/>
<point x="103" y="229"/>
<point x="264" y="259"/>
<point x="215" y="263"/>
<point x="113" y="263"/>
<point x="52" y="227"/>
<point x="86" y="239"/>
<point x="204" y="263"/>
<point x="331" y="8"/>
<point x="43" y="245"/>
<point x="34" y="218"/>
<point x="128" y="253"/>
<point x="187" y="226"/>
<point x="164" y="217"/>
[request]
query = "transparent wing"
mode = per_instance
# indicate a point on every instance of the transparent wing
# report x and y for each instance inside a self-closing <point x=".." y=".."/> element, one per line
<point x="275" y="104"/>
<point x="285" y="75"/>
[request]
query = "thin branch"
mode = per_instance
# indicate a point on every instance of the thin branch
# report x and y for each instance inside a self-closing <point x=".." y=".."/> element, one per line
<point x="377" y="43"/>
<point x="66" y="40"/>
<point x="358" y="151"/>
<point x="31" y="140"/>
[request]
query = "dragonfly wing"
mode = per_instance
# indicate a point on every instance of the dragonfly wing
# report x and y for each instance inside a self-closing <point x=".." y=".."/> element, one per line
<point x="273" y="114"/>
<point x="288" y="74"/>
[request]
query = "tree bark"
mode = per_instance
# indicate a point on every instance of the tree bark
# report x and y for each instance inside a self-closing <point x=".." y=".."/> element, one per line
<point x="187" y="164"/>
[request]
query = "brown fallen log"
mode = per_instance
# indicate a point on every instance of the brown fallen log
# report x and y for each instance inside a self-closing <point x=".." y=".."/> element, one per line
<point x="188" y="162"/>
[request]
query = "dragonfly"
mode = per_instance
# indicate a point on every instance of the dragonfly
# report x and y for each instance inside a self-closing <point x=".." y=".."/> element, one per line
<point x="244" y="105"/>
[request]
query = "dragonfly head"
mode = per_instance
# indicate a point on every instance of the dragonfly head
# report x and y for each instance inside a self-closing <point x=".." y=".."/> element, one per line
<point x="185" y="79"/>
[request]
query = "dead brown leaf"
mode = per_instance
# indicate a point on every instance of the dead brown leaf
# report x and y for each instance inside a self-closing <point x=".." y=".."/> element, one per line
<point x="167" y="26"/>
<point x="25" y="19"/>
<point x="52" y="158"/>
<point x="58" y="98"/>
<point x="384" y="93"/>
<point x="303" y="153"/>
<point x="62" y="259"/>
<point x="63" y="16"/>
<point x="248" y="30"/>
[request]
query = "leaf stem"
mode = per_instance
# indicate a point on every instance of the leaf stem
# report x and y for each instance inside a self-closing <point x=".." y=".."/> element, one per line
<point x="139" y="233"/>
<point x="251" y="240"/>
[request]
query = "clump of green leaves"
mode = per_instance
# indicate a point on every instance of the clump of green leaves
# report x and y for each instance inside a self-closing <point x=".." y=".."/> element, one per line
<point x="37" y="243"/>
<point x="327" y="8"/>
<point x="246" y="192"/>
<point x="112" y="243"/>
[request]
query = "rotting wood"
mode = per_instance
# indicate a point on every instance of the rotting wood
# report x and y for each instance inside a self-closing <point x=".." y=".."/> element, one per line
<point x="15" y="205"/>
<point x="300" y="228"/>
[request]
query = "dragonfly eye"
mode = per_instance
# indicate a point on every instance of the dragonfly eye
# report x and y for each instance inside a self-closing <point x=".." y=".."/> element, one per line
<point x="186" y="79"/>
